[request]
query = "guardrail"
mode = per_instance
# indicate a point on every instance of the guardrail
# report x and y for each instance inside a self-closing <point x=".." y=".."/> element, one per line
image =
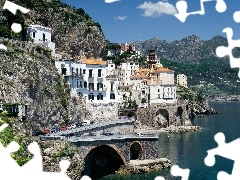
<point x="91" y="126"/>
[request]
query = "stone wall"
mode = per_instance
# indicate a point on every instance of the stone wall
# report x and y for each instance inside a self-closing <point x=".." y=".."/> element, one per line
<point x="162" y="116"/>
<point x="103" y="112"/>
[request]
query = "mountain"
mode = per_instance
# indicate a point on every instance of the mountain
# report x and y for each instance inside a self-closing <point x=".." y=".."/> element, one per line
<point x="190" y="48"/>
<point x="73" y="30"/>
<point x="196" y="58"/>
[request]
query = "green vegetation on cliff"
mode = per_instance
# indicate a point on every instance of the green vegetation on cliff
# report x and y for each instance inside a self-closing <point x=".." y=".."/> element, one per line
<point x="73" y="30"/>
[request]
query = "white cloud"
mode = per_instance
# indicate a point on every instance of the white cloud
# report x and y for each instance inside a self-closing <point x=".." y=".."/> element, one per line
<point x="121" y="18"/>
<point x="157" y="9"/>
<point x="111" y="1"/>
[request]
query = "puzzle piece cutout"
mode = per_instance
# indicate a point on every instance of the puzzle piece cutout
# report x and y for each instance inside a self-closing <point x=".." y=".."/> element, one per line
<point x="227" y="150"/>
<point x="222" y="51"/>
<point x="32" y="169"/>
<point x="16" y="27"/>
<point x="182" y="6"/>
<point x="177" y="171"/>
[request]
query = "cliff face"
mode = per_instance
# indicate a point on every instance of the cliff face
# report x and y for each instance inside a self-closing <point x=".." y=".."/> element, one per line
<point x="28" y="75"/>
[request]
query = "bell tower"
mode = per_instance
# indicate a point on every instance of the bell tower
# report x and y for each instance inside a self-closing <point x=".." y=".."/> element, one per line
<point x="151" y="59"/>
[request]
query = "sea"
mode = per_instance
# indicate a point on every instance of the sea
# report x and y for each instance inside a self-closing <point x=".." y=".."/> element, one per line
<point x="189" y="150"/>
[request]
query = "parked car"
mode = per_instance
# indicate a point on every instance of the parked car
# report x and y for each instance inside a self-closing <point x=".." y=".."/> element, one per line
<point x="72" y="126"/>
<point x="63" y="128"/>
<point x="37" y="133"/>
<point x="92" y="122"/>
<point x="107" y="134"/>
<point x="56" y="129"/>
<point x="46" y="131"/>
<point x="92" y="134"/>
<point x="79" y="124"/>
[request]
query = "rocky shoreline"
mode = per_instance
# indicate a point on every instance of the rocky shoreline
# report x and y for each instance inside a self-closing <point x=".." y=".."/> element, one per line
<point x="144" y="166"/>
<point x="182" y="129"/>
<point x="200" y="109"/>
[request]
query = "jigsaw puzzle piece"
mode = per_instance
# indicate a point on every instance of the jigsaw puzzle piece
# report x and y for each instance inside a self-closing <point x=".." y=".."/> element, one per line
<point x="221" y="6"/>
<point x="159" y="178"/>
<point x="182" y="6"/>
<point x="236" y="16"/>
<point x="2" y="127"/>
<point x="12" y="7"/>
<point x="177" y="171"/>
<point x="9" y="165"/>
<point x="228" y="151"/>
<point x="222" y="51"/>
<point x="88" y="178"/>
<point x="36" y="161"/>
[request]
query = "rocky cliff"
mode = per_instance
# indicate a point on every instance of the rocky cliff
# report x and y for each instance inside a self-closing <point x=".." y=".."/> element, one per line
<point x="28" y="76"/>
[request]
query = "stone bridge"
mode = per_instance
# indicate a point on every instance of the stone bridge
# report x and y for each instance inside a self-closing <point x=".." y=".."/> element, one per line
<point x="104" y="155"/>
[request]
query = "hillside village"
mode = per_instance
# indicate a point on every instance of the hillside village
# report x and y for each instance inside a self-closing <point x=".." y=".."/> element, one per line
<point x="99" y="81"/>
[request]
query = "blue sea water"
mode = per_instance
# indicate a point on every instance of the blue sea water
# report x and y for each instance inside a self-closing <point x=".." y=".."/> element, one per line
<point x="189" y="150"/>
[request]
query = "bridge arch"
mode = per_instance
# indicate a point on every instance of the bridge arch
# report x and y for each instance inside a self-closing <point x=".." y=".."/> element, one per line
<point x="163" y="115"/>
<point x="102" y="160"/>
<point x="136" y="151"/>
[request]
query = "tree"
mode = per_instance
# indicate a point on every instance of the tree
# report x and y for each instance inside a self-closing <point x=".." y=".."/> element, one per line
<point x="80" y="11"/>
<point x="143" y="100"/>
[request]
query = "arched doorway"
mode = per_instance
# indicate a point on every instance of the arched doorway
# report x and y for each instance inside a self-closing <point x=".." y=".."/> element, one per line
<point x="162" y="116"/>
<point x="136" y="151"/>
<point x="101" y="161"/>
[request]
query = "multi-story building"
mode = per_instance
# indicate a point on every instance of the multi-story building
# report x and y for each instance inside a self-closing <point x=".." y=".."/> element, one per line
<point x="155" y="83"/>
<point x="89" y="78"/>
<point x="182" y="80"/>
<point x="42" y="35"/>
<point x="125" y="70"/>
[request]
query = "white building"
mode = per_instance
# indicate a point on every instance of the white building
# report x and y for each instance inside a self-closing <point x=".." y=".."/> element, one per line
<point x="89" y="78"/>
<point x="182" y="80"/>
<point x="125" y="70"/>
<point x="42" y="35"/>
<point x="111" y="68"/>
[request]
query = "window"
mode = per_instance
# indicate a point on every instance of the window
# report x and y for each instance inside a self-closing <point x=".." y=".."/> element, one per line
<point x="111" y="65"/>
<point x="80" y="84"/>
<point x="77" y="84"/>
<point x="112" y="96"/>
<point x="90" y="73"/>
<point x="159" y="96"/>
<point x="99" y="97"/>
<point x="99" y="86"/>
<point x="84" y="71"/>
<point x="85" y="84"/>
<point x="111" y="86"/>
<point x="91" y="86"/>
<point x="77" y="71"/>
<point x="64" y="71"/>
<point x="72" y="70"/>
<point x="90" y="97"/>
<point x="44" y="37"/>
<point x="99" y="73"/>
<point x="158" y="90"/>
<point x="33" y="34"/>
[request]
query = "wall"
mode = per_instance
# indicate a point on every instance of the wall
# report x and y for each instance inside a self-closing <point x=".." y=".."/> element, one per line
<point x="169" y="114"/>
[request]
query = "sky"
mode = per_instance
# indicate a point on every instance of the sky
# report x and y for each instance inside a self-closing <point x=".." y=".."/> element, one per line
<point x="126" y="21"/>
